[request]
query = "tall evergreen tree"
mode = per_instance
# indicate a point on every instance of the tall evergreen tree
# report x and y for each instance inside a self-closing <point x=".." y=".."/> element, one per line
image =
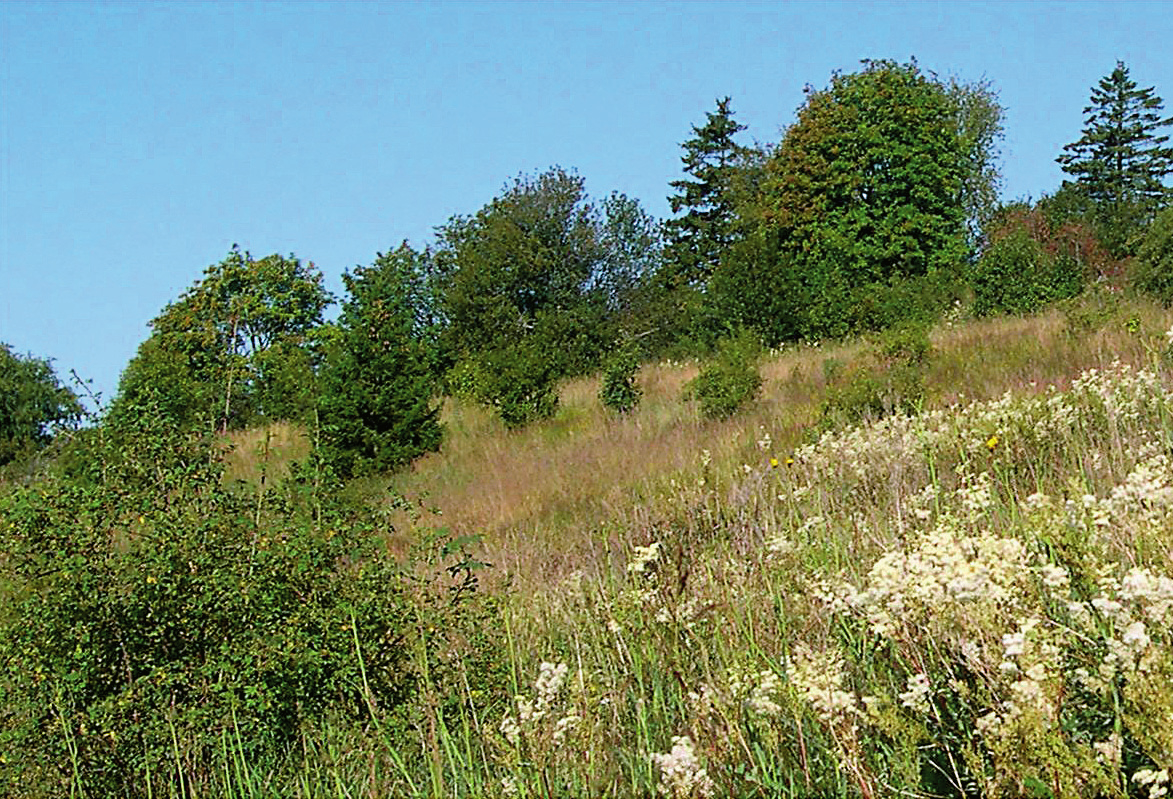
<point x="1121" y="160"/>
<point x="711" y="158"/>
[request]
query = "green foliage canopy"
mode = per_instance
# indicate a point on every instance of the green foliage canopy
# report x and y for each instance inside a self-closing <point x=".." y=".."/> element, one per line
<point x="535" y="285"/>
<point x="1153" y="269"/>
<point x="234" y="347"/>
<point x="860" y="219"/>
<point x="32" y="401"/>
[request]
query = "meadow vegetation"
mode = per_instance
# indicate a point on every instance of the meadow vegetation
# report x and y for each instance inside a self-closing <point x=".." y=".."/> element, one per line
<point x="771" y="500"/>
<point x="971" y="596"/>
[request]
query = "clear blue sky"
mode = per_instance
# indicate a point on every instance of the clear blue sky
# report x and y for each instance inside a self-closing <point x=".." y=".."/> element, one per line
<point x="139" y="141"/>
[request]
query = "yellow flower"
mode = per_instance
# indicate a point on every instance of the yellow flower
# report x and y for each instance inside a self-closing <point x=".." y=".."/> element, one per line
<point x="790" y="461"/>
<point x="773" y="463"/>
<point x="992" y="442"/>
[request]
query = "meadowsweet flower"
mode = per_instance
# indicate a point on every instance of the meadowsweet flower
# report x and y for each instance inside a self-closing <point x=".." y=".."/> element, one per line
<point x="511" y="729"/>
<point x="1136" y="638"/>
<point x="917" y="696"/>
<point x="644" y="556"/>
<point x="681" y="774"/>
<point x="1154" y="593"/>
<point x="761" y="698"/>
<point x="565" y="725"/>
<point x="1158" y="781"/>
<point x="1054" y="576"/>
<point x="818" y="677"/>
<point x="550" y="679"/>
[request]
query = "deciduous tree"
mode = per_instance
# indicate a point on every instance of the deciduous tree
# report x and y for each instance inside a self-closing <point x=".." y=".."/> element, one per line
<point x="215" y="353"/>
<point x="32" y="402"/>
<point x="860" y="220"/>
<point x="539" y="281"/>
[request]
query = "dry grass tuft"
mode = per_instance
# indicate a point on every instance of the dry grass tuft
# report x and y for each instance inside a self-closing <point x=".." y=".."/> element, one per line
<point x="264" y="452"/>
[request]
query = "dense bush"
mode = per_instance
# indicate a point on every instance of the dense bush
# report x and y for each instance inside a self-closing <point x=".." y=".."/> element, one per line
<point x="894" y="385"/>
<point x="1153" y="267"/>
<point x="1017" y="274"/>
<point x="619" y="391"/>
<point x="152" y="618"/>
<point x="730" y="380"/>
<point x="519" y="382"/>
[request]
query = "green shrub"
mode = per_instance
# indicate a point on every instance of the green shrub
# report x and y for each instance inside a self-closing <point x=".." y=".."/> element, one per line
<point x="1152" y="271"/>
<point x="896" y="385"/>
<point x="908" y="345"/>
<point x="619" y="391"/>
<point x="730" y="379"/>
<point x="519" y="382"/>
<point x="1016" y="274"/>
<point x="1090" y="311"/>
<point x="148" y="615"/>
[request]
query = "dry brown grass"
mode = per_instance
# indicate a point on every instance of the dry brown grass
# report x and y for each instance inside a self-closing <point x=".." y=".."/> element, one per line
<point x="264" y="452"/>
<point x="565" y="494"/>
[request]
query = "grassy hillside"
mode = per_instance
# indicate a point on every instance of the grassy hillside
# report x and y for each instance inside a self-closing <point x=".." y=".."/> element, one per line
<point x="546" y="496"/>
<point x="972" y="596"/>
<point x="975" y="599"/>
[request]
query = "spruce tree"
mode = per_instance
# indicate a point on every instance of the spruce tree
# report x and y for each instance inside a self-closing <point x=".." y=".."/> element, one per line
<point x="712" y="157"/>
<point x="1121" y="159"/>
<point x="378" y="406"/>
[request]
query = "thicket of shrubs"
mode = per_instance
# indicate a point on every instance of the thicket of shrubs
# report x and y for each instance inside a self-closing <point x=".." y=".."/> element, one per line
<point x="160" y="627"/>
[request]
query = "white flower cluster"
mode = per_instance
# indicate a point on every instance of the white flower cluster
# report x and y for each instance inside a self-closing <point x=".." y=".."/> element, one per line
<point x="643" y="557"/>
<point x="681" y="774"/>
<point x="1145" y="495"/>
<point x="1158" y="781"/>
<point x="917" y="696"/>
<point x="818" y="678"/>
<point x="872" y="452"/>
<point x="764" y="694"/>
<point x="526" y="723"/>
<point x="944" y="569"/>
<point x="1154" y="593"/>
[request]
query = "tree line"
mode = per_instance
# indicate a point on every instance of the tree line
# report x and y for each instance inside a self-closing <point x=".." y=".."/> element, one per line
<point x="877" y="209"/>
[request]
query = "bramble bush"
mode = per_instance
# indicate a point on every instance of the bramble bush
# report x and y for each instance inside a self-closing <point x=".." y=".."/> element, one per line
<point x="730" y="380"/>
<point x="154" y="618"/>
<point x="619" y="391"/>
